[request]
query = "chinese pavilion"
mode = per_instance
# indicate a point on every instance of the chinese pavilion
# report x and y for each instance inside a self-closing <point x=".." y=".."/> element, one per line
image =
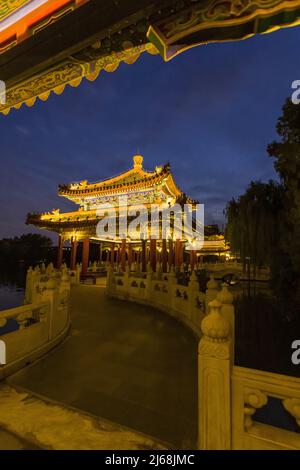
<point x="139" y="187"/>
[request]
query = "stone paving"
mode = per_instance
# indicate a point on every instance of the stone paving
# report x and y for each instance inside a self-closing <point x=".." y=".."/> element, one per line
<point x="123" y="362"/>
<point x="51" y="426"/>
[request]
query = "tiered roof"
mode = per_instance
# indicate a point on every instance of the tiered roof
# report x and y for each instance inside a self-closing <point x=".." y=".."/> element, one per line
<point x="135" y="180"/>
<point x="139" y="185"/>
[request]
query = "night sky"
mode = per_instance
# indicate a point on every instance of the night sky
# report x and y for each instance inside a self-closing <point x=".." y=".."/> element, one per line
<point x="210" y="112"/>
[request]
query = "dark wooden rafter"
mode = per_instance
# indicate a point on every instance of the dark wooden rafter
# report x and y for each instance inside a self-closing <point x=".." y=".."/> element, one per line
<point x="101" y="34"/>
<point x="73" y="34"/>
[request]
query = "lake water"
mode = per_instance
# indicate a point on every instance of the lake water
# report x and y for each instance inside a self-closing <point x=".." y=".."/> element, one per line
<point x="12" y="286"/>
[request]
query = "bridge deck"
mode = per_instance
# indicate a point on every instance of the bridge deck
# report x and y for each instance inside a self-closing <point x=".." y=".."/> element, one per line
<point x="124" y="362"/>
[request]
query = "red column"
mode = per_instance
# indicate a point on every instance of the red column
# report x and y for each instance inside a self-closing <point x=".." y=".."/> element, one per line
<point x="129" y="254"/>
<point x="73" y="254"/>
<point x="171" y="254"/>
<point x="123" y="254"/>
<point x="164" y="256"/>
<point x="178" y="253"/>
<point x="153" y="254"/>
<point x="192" y="259"/>
<point x="144" y="256"/>
<point x="181" y="253"/>
<point x="60" y="251"/>
<point x="85" y="255"/>
<point x="112" y="254"/>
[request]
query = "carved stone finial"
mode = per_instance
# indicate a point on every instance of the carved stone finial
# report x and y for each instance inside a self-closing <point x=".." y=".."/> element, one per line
<point x="51" y="283"/>
<point x="214" y="326"/>
<point x="49" y="269"/>
<point x="212" y="283"/>
<point x="65" y="276"/>
<point x="225" y="296"/>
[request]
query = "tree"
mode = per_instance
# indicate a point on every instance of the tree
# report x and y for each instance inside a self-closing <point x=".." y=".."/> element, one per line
<point x="286" y="152"/>
<point x="252" y="223"/>
<point x="31" y="248"/>
<point x="264" y="223"/>
<point x="287" y="162"/>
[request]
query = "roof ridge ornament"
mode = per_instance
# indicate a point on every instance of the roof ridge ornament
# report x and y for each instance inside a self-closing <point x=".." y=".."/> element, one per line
<point x="138" y="162"/>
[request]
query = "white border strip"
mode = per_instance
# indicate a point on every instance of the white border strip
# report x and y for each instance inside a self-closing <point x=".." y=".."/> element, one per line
<point x="21" y="13"/>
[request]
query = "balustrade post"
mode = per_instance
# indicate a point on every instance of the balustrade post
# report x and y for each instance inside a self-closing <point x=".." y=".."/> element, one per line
<point x="36" y="278"/>
<point x="111" y="281"/>
<point x="214" y="366"/>
<point x="50" y="294"/>
<point x="78" y="273"/>
<point x="227" y="310"/>
<point x="212" y="290"/>
<point x="29" y="286"/>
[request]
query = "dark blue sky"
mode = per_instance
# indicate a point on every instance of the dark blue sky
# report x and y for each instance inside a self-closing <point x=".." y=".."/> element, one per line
<point x="210" y="112"/>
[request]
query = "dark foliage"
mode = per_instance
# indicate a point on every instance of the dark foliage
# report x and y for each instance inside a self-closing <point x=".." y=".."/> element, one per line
<point x="27" y="249"/>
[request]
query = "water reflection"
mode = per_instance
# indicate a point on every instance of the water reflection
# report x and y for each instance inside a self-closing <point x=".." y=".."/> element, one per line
<point x="12" y="285"/>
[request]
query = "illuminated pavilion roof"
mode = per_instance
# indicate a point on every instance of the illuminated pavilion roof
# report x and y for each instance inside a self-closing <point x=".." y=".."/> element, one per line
<point x="139" y="185"/>
<point x="46" y="45"/>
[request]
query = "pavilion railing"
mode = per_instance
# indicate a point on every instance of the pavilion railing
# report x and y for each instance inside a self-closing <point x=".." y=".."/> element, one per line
<point x="233" y="401"/>
<point x="186" y="303"/>
<point x="29" y="331"/>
